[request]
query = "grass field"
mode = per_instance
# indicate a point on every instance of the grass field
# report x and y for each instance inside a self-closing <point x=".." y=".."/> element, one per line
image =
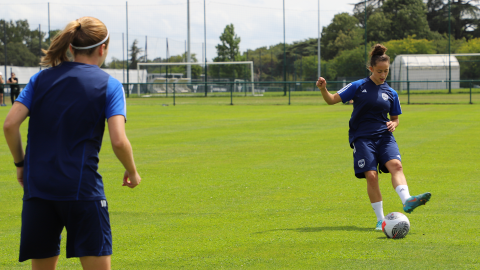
<point x="272" y="187"/>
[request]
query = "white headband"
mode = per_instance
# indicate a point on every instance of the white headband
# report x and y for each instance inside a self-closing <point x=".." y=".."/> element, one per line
<point x="93" y="46"/>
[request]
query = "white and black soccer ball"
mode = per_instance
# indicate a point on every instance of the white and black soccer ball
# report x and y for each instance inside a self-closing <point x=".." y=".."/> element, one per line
<point x="396" y="225"/>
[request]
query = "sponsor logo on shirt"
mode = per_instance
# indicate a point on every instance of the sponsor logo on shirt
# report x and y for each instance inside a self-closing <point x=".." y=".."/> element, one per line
<point x="384" y="96"/>
<point x="361" y="163"/>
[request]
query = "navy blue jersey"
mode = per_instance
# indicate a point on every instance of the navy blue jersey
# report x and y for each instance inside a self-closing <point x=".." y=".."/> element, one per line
<point x="371" y="105"/>
<point x="68" y="105"/>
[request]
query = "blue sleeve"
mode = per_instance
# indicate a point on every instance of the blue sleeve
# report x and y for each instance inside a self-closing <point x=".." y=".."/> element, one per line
<point x="115" y="103"/>
<point x="348" y="92"/>
<point x="26" y="95"/>
<point x="395" y="109"/>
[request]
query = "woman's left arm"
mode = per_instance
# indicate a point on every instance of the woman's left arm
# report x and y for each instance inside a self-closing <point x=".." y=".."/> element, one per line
<point x="11" y="128"/>
<point x="393" y="124"/>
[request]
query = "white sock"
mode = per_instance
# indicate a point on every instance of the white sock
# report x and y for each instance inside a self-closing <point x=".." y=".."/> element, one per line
<point x="403" y="192"/>
<point x="378" y="208"/>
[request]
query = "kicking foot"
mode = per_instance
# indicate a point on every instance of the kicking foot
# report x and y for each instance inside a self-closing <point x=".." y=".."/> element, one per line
<point x="415" y="201"/>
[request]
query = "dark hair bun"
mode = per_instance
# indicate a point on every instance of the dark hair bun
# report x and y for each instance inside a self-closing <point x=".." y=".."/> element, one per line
<point x="378" y="49"/>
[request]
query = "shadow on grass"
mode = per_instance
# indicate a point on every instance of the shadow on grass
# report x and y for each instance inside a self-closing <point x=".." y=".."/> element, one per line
<point x="320" y="229"/>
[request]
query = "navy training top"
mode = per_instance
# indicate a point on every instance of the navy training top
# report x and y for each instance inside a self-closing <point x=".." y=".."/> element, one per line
<point x="68" y="105"/>
<point x="371" y="104"/>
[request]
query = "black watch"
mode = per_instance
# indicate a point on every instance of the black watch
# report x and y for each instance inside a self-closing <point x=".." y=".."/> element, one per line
<point x="19" y="164"/>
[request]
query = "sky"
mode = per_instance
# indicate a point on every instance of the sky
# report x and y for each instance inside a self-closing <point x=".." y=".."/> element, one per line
<point x="259" y="23"/>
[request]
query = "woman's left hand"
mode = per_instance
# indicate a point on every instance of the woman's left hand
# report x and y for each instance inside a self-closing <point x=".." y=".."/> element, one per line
<point x="391" y="126"/>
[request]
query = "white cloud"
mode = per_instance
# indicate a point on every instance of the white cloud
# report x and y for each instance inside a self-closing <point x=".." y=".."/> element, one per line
<point x="258" y="22"/>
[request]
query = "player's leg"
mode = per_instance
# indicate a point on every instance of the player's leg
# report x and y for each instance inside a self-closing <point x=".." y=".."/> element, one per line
<point x="95" y="262"/>
<point x="45" y="264"/>
<point x="375" y="196"/>
<point x="399" y="182"/>
<point x="390" y="157"/>
<point x="365" y="165"/>
<point x="373" y="188"/>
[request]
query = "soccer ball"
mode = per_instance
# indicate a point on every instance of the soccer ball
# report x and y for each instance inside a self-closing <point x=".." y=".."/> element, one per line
<point x="395" y="225"/>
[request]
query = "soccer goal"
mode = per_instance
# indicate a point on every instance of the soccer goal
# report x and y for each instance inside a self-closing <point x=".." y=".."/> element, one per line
<point x="163" y="81"/>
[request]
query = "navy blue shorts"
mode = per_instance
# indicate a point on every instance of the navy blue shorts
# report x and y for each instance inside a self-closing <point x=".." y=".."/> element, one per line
<point x="87" y="224"/>
<point x="368" y="154"/>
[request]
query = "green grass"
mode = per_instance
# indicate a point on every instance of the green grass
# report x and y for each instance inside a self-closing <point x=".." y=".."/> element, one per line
<point x="272" y="187"/>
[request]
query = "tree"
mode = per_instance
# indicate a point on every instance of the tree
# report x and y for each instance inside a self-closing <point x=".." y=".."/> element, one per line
<point x="135" y="52"/>
<point x="470" y="65"/>
<point x="229" y="47"/>
<point x="343" y="33"/>
<point x="409" y="45"/>
<point x="227" y="51"/>
<point x="464" y="15"/>
<point x="408" y="18"/>
<point x="350" y="64"/>
<point x="379" y="27"/>
<point x="22" y="43"/>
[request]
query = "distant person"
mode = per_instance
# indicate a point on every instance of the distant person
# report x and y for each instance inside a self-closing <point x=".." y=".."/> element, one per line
<point x="371" y="132"/>
<point x="67" y="105"/>
<point x="14" y="87"/>
<point x="2" y="87"/>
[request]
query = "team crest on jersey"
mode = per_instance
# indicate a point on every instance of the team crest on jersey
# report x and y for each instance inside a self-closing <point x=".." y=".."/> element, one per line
<point x="361" y="163"/>
<point x="384" y="96"/>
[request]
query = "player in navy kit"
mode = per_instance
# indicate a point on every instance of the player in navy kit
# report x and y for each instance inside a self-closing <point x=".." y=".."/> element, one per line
<point x="370" y="133"/>
<point x="67" y="105"/>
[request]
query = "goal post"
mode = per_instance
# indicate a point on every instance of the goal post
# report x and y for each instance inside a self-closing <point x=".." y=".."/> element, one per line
<point x="165" y="81"/>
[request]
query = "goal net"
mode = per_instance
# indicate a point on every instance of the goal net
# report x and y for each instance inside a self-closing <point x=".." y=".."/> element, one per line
<point x="223" y="78"/>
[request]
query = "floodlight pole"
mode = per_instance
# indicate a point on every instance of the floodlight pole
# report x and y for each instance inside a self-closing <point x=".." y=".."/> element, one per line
<point x="128" y="73"/>
<point x="5" y="44"/>
<point x="284" y="55"/>
<point x="49" y="23"/>
<point x="449" y="51"/>
<point x="318" y="55"/>
<point x="123" y="56"/>
<point x="366" y="55"/>
<point x="40" y="44"/>
<point x="189" y="68"/>
<point x="205" y="38"/>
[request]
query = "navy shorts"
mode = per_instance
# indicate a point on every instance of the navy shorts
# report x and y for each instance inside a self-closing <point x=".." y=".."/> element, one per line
<point x="87" y="224"/>
<point x="368" y="154"/>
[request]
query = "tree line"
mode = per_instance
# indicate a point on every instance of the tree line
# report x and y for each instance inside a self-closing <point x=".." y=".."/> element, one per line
<point x="403" y="26"/>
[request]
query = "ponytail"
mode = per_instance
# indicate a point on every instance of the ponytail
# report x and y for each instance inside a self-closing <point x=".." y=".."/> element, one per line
<point x="377" y="54"/>
<point x="83" y="32"/>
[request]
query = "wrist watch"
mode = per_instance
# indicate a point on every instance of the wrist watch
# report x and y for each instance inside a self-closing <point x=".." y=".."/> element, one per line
<point x="19" y="164"/>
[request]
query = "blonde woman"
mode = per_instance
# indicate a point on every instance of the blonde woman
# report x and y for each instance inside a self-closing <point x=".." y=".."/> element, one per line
<point x="67" y="105"/>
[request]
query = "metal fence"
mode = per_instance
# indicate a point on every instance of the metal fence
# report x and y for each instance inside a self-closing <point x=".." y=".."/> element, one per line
<point x="283" y="93"/>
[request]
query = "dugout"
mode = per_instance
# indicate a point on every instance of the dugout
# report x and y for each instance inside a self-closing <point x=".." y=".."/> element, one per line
<point x="431" y="70"/>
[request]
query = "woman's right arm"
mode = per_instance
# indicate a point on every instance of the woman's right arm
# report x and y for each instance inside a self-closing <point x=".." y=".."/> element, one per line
<point x="11" y="129"/>
<point x="329" y="98"/>
<point x="123" y="150"/>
